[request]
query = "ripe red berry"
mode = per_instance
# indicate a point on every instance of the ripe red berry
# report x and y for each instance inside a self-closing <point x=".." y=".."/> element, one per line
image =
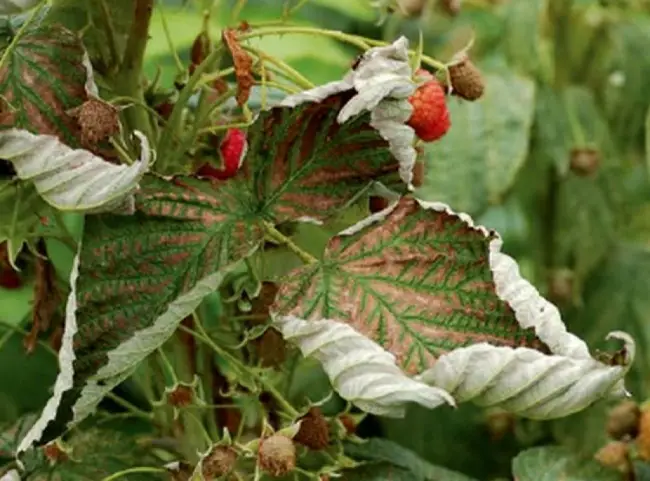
<point x="430" y="117"/>
<point x="232" y="151"/>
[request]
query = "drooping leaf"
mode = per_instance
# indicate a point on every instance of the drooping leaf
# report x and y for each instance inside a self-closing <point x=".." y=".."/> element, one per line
<point x="486" y="147"/>
<point x="73" y="179"/>
<point x="383" y="450"/>
<point x="551" y="463"/>
<point x="41" y="79"/>
<point x="438" y="296"/>
<point x="20" y="211"/>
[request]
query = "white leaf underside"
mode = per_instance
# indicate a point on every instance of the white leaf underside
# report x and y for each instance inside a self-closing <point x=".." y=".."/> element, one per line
<point x="64" y="380"/>
<point x="383" y="83"/>
<point x="73" y="179"/>
<point x="520" y="380"/>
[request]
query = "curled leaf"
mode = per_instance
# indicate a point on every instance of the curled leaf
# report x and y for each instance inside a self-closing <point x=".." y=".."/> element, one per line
<point x="64" y="380"/>
<point x="362" y="372"/>
<point x="382" y="84"/>
<point x="72" y="179"/>
<point x="243" y="65"/>
<point x="436" y="293"/>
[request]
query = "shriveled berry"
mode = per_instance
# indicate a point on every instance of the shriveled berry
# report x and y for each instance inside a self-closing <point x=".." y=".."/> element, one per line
<point x="623" y="420"/>
<point x="220" y="461"/>
<point x="98" y="121"/>
<point x="180" y="396"/>
<point x="466" y="80"/>
<point x="277" y="455"/>
<point x="314" y="431"/>
<point x="430" y="117"/>
<point x="584" y="161"/>
<point x="615" y="454"/>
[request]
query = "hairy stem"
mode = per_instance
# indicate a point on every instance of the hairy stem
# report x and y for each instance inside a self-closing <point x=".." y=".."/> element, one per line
<point x="141" y="469"/>
<point x="128" y="81"/>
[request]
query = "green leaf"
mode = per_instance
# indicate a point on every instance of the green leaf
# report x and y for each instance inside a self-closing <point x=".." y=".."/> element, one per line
<point x="378" y="472"/>
<point x="12" y="7"/>
<point x="21" y="209"/>
<point x="564" y="121"/>
<point x="383" y="450"/>
<point x="523" y="37"/>
<point x="96" y="453"/>
<point x="418" y="283"/>
<point x="554" y="463"/>
<point x="42" y="77"/>
<point x="614" y="294"/>
<point x="585" y="224"/>
<point x="485" y="148"/>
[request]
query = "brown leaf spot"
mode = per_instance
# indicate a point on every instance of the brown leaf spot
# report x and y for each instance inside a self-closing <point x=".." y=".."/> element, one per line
<point x="243" y="65"/>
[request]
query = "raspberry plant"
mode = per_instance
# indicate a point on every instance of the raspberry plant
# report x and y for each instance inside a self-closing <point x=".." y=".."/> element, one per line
<point x="267" y="277"/>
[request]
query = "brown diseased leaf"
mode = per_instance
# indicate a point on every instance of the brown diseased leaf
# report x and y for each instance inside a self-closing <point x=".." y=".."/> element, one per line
<point x="243" y="65"/>
<point x="418" y="283"/>
<point x="47" y="300"/>
<point x="41" y="79"/>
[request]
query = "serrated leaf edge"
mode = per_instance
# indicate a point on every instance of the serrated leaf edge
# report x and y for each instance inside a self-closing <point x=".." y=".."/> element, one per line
<point x="123" y="359"/>
<point x="66" y="357"/>
<point x="360" y="370"/>
<point x="73" y="179"/>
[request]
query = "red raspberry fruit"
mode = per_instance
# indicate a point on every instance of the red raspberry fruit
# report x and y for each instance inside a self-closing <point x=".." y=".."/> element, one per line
<point x="430" y="117"/>
<point x="232" y="151"/>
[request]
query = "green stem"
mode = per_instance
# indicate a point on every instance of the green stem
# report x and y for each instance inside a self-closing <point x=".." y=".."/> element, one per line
<point x="132" y="408"/>
<point x="559" y="14"/>
<point x="170" y="43"/>
<point x="277" y="236"/>
<point x="167" y="365"/>
<point x="128" y="80"/>
<point x="140" y="469"/>
<point x="109" y="29"/>
<point x="66" y="238"/>
<point x="284" y="68"/>
<point x="21" y="31"/>
<point x="203" y="336"/>
<point x="174" y="123"/>
<point x="22" y="331"/>
<point x="361" y="42"/>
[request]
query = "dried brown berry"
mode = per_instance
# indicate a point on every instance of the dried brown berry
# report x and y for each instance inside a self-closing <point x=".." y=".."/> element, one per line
<point x="220" y="461"/>
<point x="623" y="420"/>
<point x="584" y="161"/>
<point x="615" y="454"/>
<point x="180" y="396"/>
<point x="98" y="120"/>
<point x="643" y="438"/>
<point x="314" y="430"/>
<point x="277" y="455"/>
<point x="349" y="423"/>
<point x="466" y="80"/>
<point x="499" y="424"/>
